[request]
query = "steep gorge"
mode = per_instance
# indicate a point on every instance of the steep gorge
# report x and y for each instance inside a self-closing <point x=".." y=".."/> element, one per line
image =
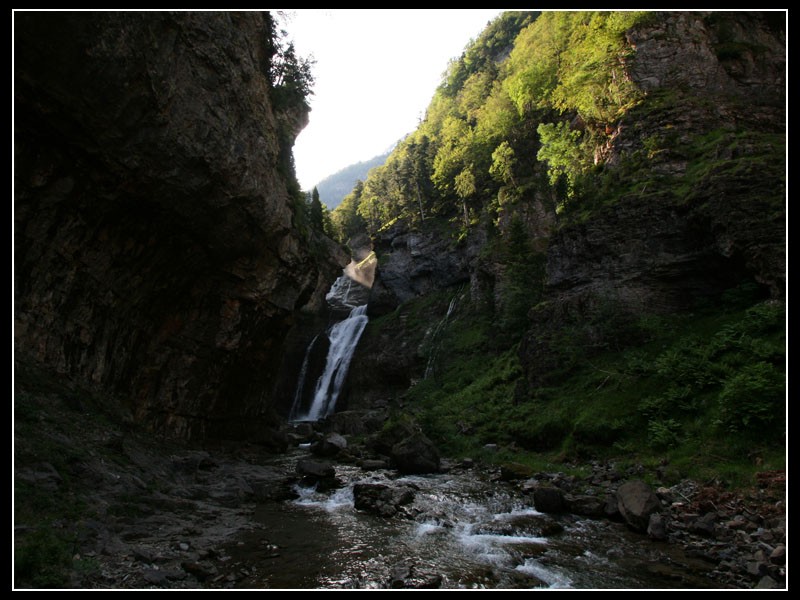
<point x="158" y="256"/>
<point x="622" y="323"/>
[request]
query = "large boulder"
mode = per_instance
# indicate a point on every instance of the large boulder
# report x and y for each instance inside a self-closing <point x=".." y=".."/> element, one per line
<point x="548" y="499"/>
<point x="523" y="525"/>
<point x="415" y="455"/>
<point x="586" y="506"/>
<point x="380" y="499"/>
<point x="356" y="422"/>
<point x="331" y="445"/>
<point x="636" y="502"/>
<point x="315" y="468"/>
<point x="392" y="433"/>
<point x="314" y="472"/>
<point x="515" y="472"/>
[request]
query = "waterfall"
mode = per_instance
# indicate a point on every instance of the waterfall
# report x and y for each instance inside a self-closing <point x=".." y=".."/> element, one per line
<point x="435" y="346"/>
<point x="348" y="296"/>
<point x="301" y="381"/>
<point x="344" y="337"/>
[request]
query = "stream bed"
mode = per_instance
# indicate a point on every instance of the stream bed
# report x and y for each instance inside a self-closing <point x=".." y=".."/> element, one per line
<point x="464" y="529"/>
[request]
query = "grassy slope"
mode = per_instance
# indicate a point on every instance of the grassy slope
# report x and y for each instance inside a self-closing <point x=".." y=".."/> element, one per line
<point x="701" y="391"/>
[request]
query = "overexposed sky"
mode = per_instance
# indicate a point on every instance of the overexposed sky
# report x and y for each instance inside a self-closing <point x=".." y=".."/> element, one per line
<point x="376" y="71"/>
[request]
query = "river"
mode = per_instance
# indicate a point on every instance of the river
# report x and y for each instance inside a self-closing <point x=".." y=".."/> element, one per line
<point x="464" y="529"/>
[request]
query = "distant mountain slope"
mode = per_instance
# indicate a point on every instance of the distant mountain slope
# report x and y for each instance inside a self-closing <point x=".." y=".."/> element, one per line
<point x="335" y="187"/>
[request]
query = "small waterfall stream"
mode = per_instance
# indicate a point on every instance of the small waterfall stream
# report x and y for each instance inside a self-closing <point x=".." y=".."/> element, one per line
<point x="435" y="345"/>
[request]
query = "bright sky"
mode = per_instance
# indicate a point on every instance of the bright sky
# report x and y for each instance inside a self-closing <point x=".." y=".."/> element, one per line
<point x="376" y="71"/>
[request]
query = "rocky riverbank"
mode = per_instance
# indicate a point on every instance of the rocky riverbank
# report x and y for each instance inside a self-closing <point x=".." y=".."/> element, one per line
<point x="101" y="506"/>
<point x="741" y="534"/>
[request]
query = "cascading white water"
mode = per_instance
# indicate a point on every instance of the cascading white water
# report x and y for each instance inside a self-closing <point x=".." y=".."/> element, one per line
<point x="298" y="394"/>
<point x="344" y="338"/>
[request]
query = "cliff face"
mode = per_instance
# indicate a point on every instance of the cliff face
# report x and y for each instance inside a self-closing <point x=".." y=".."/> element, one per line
<point x="690" y="204"/>
<point x="156" y="255"/>
<point x="708" y="212"/>
<point x="705" y="206"/>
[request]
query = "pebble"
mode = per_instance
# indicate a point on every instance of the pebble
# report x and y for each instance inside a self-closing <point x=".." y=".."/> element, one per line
<point x="767" y="583"/>
<point x="778" y="556"/>
<point x="154" y="577"/>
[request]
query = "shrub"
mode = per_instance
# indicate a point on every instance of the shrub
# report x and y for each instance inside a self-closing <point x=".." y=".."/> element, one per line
<point x="752" y="398"/>
<point x="663" y="434"/>
<point x="41" y="560"/>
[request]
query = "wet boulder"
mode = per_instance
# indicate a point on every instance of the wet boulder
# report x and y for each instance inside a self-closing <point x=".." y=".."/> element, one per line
<point x="636" y="502"/>
<point x="657" y="527"/>
<point x="330" y="445"/>
<point x="522" y="525"/>
<point x="515" y="472"/>
<point x="304" y="431"/>
<point x="391" y="434"/>
<point x="548" y="499"/>
<point x="586" y="506"/>
<point x="416" y="454"/>
<point x="356" y="422"/>
<point x="704" y="525"/>
<point x="611" y="508"/>
<point x="316" y="469"/>
<point x="373" y="464"/>
<point x="380" y="499"/>
<point x="314" y="472"/>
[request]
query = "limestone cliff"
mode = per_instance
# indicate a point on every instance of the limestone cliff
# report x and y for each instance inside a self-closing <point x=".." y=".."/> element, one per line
<point x="157" y="257"/>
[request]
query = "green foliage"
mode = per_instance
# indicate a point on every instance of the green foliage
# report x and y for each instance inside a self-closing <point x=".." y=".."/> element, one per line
<point x="565" y="152"/>
<point x="315" y="212"/>
<point x="533" y="67"/>
<point x="752" y="399"/>
<point x="523" y="283"/>
<point x="537" y="126"/>
<point x="703" y="390"/>
<point x="346" y="219"/>
<point x="478" y="134"/>
<point x="290" y="77"/>
<point x="503" y="163"/>
<point x="42" y="559"/>
<point x="592" y="78"/>
<point x="464" y="183"/>
<point x="663" y="434"/>
<point x="482" y="54"/>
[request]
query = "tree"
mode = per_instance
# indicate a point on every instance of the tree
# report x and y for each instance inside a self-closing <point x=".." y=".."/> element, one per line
<point x="503" y="162"/>
<point x="523" y="279"/>
<point x="565" y="151"/>
<point x="290" y="76"/>
<point x="465" y="187"/>
<point x="346" y="219"/>
<point x="315" y="211"/>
